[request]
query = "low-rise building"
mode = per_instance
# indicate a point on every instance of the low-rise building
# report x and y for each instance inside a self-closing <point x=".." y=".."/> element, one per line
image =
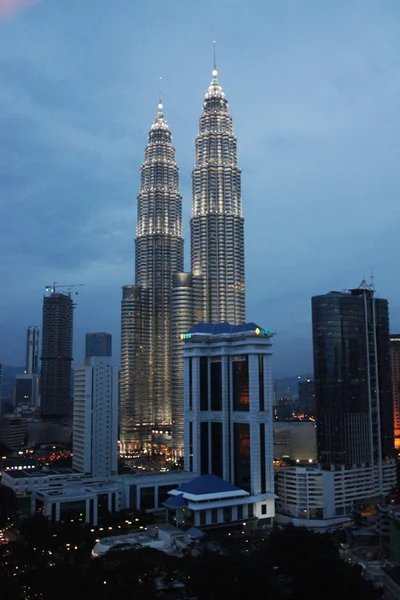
<point x="209" y="501"/>
<point x="54" y="491"/>
<point x="320" y="498"/>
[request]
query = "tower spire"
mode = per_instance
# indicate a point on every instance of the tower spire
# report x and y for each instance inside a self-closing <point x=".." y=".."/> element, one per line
<point x="160" y="114"/>
<point x="215" y="71"/>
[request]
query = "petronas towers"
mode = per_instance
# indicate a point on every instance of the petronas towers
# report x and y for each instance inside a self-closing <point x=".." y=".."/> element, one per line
<point x="165" y="302"/>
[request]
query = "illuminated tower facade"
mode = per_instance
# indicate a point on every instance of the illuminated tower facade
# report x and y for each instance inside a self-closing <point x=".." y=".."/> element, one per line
<point x="214" y="291"/>
<point x="217" y="224"/>
<point x="395" y="364"/>
<point x="145" y="396"/>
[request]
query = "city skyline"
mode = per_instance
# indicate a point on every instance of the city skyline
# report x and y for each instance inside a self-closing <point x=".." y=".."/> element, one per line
<point x="313" y="95"/>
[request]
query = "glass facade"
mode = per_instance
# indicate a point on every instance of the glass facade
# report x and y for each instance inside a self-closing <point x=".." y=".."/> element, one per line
<point x="203" y="383"/>
<point x="204" y="448"/>
<point x="261" y="380"/>
<point x="262" y="459"/>
<point x="241" y="433"/>
<point x="240" y="388"/>
<point x="352" y="377"/>
<point x="216" y="449"/>
<point x="147" y="498"/>
<point x="216" y="385"/>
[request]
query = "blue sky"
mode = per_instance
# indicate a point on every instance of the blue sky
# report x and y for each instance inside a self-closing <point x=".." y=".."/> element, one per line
<point x="314" y="93"/>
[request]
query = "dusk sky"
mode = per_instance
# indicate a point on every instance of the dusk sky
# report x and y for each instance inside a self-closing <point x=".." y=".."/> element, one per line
<point x="313" y="89"/>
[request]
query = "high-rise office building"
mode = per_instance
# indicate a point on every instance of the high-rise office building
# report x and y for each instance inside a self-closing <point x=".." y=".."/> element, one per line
<point x="217" y="224"/>
<point x="145" y="401"/>
<point x="95" y="423"/>
<point x="26" y="390"/>
<point x="215" y="289"/>
<point x="32" y="350"/>
<point x="228" y="408"/>
<point x="98" y="344"/>
<point x="395" y="364"/>
<point x="306" y="391"/>
<point x="56" y="399"/>
<point x="354" y="406"/>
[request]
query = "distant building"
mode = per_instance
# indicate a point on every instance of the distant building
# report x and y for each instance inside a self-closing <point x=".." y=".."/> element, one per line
<point x="26" y="390"/>
<point x="13" y="431"/>
<point x="295" y="441"/>
<point x="284" y="408"/>
<point x="395" y="364"/>
<point x="98" y="344"/>
<point x="228" y="408"/>
<point x="307" y="397"/>
<point x="95" y="422"/>
<point x="32" y="350"/>
<point x="352" y="377"/>
<point x="56" y="399"/>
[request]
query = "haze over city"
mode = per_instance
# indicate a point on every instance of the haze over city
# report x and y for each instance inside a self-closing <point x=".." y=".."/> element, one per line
<point x="313" y="91"/>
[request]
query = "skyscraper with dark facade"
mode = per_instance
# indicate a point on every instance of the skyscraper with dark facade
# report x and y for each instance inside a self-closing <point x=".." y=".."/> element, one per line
<point x="56" y="399"/>
<point x="395" y="364"/>
<point x="352" y="377"/>
<point x="217" y="239"/>
<point x="98" y="344"/>
<point x="145" y="385"/>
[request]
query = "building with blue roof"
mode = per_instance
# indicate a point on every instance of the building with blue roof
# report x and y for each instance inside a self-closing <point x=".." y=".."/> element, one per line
<point x="228" y="408"/>
<point x="209" y="501"/>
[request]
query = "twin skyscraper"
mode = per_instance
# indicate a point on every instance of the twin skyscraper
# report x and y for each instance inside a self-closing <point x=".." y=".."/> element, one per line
<point x="165" y="302"/>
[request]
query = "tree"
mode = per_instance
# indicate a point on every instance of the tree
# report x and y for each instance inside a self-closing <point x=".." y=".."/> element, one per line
<point x="8" y="503"/>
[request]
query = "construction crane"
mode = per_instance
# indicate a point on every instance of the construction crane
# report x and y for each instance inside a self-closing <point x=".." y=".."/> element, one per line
<point x="56" y="286"/>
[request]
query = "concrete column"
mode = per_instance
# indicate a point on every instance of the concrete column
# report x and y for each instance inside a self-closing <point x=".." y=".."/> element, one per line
<point x="95" y="511"/>
<point x="33" y="505"/>
<point x="58" y="511"/>
<point x="87" y="510"/>
<point x="109" y="501"/>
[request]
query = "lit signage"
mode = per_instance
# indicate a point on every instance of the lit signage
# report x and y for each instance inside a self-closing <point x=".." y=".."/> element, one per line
<point x="259" y="331"/>
<point x="186" y="336"/>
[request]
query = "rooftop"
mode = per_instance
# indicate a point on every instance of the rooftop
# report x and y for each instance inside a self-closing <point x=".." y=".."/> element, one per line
<point x="176" y="502"/>
<point x="207" y="484"/>
<point x="227" y="329"/>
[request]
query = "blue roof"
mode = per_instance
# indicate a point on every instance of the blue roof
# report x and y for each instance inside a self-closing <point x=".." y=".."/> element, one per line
<point x="176" y="502"/>
<point x="221" y="328"/>
<point x="207" y="484"/>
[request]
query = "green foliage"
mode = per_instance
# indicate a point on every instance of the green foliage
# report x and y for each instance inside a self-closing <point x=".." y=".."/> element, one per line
<point x="8" y="504"/>
<point x="54" y="562"/>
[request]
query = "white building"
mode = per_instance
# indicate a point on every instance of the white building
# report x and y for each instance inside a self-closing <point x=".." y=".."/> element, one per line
<point x="95" y="422"/>
<point x="228" y="401"/>
<point x="320" y="498"/>
<point x="209" y="501"/>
